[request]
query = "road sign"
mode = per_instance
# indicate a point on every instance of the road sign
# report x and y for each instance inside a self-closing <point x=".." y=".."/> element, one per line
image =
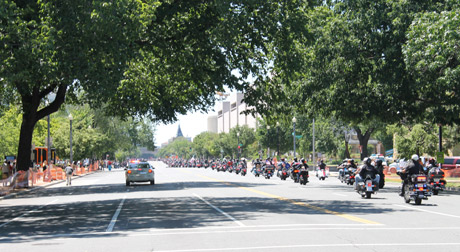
<point x="440" y="157"/>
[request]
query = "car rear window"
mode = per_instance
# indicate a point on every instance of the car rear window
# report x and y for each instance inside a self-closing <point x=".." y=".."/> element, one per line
<point x="143" y="166"/>
<point x="448" y="160"/>
<point x="139" y="165"/>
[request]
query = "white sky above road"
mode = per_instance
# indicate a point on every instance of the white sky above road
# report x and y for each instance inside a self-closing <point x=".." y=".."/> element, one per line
<point x="191" y="125"/>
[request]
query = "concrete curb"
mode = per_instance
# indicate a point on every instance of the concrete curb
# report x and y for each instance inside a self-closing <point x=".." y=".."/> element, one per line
<point x="31" y="189"/>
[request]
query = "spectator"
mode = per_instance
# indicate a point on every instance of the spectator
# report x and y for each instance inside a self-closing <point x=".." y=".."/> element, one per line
<point x="5" y="170"/>
<point x="68" y="173"/>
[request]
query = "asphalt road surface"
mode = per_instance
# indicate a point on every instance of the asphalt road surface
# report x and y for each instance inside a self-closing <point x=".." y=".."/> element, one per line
<point x="190" y="209"/>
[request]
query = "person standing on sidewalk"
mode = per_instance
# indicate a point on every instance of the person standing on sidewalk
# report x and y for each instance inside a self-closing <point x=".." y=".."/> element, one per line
<point x="68" y="173"/>
<point x="5" y="170"/>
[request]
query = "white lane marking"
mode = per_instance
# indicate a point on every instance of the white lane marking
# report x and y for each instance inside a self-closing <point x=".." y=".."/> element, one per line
<point x="428" y="211"/>
<point x="210" y="231"/>
<point x="316" y="246"/>
<point x="31" y="211"/>
<point x="220" y="211"/>
<point x="343" y="195"/>
<point x="162" y="233"/>
<point x="115" y="216"/>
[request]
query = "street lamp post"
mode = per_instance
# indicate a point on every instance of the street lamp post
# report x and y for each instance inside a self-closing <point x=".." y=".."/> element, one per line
<point x="294" y="120"/>
<point x="71" y="153"/>
<point x="278" y="136"/>
<point x="48" y="144"/>
<point x="238" y="147"/>
<point x="268" y="148"/>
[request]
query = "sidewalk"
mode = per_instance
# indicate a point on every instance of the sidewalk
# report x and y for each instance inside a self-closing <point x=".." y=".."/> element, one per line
<point x="40" y="185"/>
<point x="24" y="181"/>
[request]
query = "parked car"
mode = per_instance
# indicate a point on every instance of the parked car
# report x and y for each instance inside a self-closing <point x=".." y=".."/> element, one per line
<point x="451" y="163"/>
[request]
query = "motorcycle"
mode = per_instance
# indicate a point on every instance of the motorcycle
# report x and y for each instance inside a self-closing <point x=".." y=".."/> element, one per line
<point x="436" y="180"/>
<point x="268" y="172"/>
<point x="303" y="176"/>
<point x="284" y="174"/>
<point x="238" y="169"/>
<point x="416" y="188"/>
<point x="243" y="171"/>
<point x="350" y="176"/>
<point x="367" y="187"/>
<point x="321" y="174"/>
<point x="257" y="172"/>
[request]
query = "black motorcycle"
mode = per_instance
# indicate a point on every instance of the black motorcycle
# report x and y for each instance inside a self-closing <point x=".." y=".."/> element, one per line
<point x="415" y="188"/>
<point x="367" y="187"/>
<point x="436" y="180"/>
<point x="303" y="176"/>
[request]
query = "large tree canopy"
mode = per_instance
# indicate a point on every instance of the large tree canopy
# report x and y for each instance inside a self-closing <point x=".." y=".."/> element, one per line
<point x="155" y="58"/>
<point x="432" y="57"/>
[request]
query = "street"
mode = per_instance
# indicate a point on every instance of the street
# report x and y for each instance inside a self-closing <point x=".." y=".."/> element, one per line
<point x="191" y="209"/>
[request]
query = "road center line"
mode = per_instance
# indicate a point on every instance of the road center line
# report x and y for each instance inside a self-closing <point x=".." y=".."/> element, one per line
<point x="31" y="211"/>
<point x="428" y="211"/>
<point x="338" y="194"/>
<point x="320" y="209"/>
<point x="115" y="216"/>
<point x="220" y="211"/>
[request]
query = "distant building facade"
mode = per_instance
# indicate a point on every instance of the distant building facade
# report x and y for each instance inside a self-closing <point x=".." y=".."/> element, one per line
<point x="229" y="115"/>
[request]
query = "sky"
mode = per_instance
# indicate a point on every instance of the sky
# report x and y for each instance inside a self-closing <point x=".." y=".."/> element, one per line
<point x="191" y="125"/>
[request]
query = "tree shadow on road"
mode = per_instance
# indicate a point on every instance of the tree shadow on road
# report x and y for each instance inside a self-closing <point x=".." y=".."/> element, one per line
<point x="90" y="219"/>
<point x="122" y="188"/>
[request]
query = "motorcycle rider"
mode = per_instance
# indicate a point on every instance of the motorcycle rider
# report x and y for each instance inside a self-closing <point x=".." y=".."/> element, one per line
<point x="256" y="164"/>
<point x="366" y="168"/>
<point x="414" y="168"/>
<point x="322" y="167"/>
<point x="303" y="168"/>
<point x="380" y="168"/>
<point x="304" y="163"/>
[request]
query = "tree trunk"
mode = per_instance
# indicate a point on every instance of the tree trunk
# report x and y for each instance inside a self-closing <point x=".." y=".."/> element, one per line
<point x="347" y="153"/>
<point x="30" y="116"/>
<point x="363" y="140"/>
<point x="25" y="140"/>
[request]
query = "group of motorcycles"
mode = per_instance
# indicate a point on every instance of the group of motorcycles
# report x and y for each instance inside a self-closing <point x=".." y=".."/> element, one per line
<point x="417" y="187"/>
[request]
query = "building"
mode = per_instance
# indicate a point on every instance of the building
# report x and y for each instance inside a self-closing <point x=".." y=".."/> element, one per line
<point x="229" y="115"/>
<point x="179" y="134"/>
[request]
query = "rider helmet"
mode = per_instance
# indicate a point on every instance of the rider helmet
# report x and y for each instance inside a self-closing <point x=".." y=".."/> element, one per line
<point x="367" y="161"/>
<point x="415" y="157"/>
<point x="379" y="162"/>
<point x="295" y="159"/>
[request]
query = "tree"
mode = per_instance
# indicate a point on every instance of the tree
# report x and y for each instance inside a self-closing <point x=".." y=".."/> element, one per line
<point x="351" y="66"/>
<point x="419" y="139"/>
<point x="155" y="58"/>
<point x="431" y="56"/>
<point x="203" y="144"/>
<point x="180" y="147"/>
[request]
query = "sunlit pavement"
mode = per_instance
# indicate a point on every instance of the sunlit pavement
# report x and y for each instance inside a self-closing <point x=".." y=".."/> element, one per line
<point x="190" y="209"/>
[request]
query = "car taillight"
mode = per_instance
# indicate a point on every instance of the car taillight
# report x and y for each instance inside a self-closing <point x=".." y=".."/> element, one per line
<point x="129" y="171"/>
<point x="150" y="171"/>
<point x="420" y="188"/>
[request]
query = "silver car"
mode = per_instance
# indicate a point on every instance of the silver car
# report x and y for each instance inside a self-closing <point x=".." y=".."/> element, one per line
<point x="138" y="171"/>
